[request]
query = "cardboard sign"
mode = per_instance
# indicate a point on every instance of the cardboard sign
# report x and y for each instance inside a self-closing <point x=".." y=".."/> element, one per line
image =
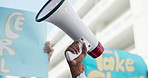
<point x="22" y="41"/>
<point x="115" y="64"/>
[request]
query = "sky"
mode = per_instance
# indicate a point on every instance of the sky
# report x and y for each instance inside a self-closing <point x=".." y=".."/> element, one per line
<point x="29" y="5"/>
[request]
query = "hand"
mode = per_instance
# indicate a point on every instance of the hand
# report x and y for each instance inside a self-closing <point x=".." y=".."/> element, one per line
<point x="48" y="49"/>
<point x="76" y="65"/>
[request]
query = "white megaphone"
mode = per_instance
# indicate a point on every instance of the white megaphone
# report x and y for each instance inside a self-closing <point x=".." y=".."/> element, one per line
<point x="61" y="14"/>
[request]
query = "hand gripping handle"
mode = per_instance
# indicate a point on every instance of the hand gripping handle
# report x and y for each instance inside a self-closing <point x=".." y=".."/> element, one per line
<point x="70" y="56"/>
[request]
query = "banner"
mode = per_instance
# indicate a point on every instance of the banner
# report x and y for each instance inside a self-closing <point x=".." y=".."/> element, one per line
<point x="115" y="64"/>
<point x="22" y="41"/>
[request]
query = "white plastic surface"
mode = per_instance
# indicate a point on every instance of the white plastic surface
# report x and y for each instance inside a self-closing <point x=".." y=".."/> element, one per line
<point x="67" y="20"/>
<point x="70" y="56"/>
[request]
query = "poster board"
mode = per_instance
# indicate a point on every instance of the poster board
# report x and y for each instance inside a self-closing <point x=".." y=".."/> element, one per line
<point x="22" y="41"/>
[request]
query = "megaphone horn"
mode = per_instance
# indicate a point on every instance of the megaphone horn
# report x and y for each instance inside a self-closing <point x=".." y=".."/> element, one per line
<point x="60" y="13"/>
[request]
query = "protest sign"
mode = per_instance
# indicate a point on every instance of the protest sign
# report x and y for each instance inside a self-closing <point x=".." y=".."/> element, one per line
<point x="115" y="64"/>
<point x="22" y="41"/>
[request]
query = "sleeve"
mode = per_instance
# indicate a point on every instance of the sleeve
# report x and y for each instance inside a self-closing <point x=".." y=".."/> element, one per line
<point x="82" y="75"/>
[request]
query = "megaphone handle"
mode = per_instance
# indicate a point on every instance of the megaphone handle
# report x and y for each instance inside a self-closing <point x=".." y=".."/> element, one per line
<point x="70" y="56"/>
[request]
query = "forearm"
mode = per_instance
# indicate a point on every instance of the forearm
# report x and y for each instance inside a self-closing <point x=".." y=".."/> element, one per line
<point x="76" y="75"/>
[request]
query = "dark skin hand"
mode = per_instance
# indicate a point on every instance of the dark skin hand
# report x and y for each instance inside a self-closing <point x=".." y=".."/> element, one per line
<point x="76" y="65"/>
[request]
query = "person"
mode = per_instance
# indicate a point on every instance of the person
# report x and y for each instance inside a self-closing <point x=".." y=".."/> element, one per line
<point x="76" y="66"/>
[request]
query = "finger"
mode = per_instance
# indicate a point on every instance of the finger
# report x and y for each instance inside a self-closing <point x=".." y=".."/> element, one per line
<point x="45" y="49"/>
<point x="49" y="46"/>
<point x="83" y="67"/>
<point x="76" y="44"/>
<point x="84" y="49"/>
<point x="76" y="48"/>
<point x="46" y="46"/>
<point x="48" y="49"/>
<point x="51" y="50"/>
<point x="71" y="50"/>
<point x="50" y="54"/>
<point x="47" y="43"/>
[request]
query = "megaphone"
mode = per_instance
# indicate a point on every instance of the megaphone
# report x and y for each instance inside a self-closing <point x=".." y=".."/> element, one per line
<point x="61" y="14"/>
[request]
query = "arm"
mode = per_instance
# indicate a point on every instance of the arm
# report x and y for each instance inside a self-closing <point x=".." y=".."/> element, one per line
<point x="76" y="65"/>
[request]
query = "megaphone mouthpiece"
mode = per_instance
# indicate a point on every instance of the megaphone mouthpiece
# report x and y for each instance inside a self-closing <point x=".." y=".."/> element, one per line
<point x="48" y="9"/>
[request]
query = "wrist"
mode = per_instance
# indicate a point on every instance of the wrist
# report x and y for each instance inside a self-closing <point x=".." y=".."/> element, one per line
<point x="74" y="72"/>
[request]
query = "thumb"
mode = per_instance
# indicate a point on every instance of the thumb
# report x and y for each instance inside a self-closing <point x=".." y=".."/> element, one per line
<point x="84" y="49"/>
<point x="83" y="54"/>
